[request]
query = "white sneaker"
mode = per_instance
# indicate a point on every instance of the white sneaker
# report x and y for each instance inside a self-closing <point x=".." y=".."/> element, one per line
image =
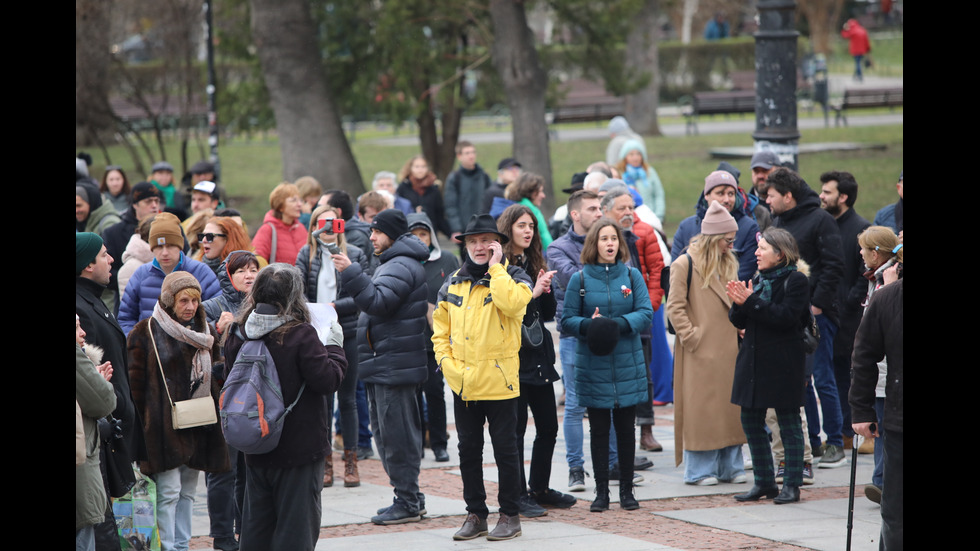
<point x="709" y="481"/>
<point x="740" y="479"/>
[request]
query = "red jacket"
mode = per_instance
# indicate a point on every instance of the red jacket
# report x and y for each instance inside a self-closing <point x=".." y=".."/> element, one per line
<point x="651" y="260"/>
<point x="289" y="239"/>
<point x="858" y="36"/>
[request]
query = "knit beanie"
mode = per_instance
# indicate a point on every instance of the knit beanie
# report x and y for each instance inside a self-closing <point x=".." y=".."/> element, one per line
<point x="632" y="145"/>
<point x="87" y="247"/>
<point x="618" y="124"/>
<point x="175" y="282"/>
<point x="145" y="190"/>
<point x="391" y="222"/>
<point x="718" y="220"/>
<point x="719" y="178"/>
<point x="165" y="230"/>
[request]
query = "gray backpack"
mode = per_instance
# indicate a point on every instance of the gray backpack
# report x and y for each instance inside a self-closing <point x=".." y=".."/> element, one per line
<point x="251" y="405"/>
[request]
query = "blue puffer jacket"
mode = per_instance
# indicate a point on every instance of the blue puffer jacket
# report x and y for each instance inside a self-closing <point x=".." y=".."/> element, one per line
<point x="143" y="289"/>
<point x="619" y="379"/>
<point x="392" y="325"/>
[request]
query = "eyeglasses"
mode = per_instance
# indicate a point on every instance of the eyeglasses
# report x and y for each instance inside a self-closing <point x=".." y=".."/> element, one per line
<point x="729" y="240"/>
<point x="209" y="237"/>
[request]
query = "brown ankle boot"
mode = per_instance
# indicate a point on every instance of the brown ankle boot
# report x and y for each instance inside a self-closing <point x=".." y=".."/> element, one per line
<point x="647" y="441"/>
<point x="351" y="478"/>
<point x="328" y="470"/>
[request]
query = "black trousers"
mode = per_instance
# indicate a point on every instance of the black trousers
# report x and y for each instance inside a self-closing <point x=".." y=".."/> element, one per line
<point x="541" y="400"/>
<point x="893" y="493"/>
<point x="623" y="419"/>
<point x="501" y="416"/>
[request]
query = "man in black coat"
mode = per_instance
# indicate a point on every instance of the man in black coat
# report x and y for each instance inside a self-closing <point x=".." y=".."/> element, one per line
<point x="882" y="335"/>
<point x="796" y="208"/>
<point x="146" y="202"/>
<point x="92" y="274"/>
<point x="838" y="193"/>
<point x="391" y="352"/>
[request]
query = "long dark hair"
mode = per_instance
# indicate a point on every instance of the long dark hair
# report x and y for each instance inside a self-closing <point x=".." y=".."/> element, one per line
<point x="590" y="250"/>
<point x="534" y="259"/>
<point x="280" y="285"/>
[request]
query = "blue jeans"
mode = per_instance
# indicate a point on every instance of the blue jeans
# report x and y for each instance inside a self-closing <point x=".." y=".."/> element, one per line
<point x="825" y="384"/>
<point x="572" y="420"/>
<point x="724" y="464"/>
<point x="858" y="65"/>
<point x="877" y="476"/>
<point x="176" y="489"/>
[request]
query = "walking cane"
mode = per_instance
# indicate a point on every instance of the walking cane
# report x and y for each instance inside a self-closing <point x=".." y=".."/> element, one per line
<point x="850" y="494"/>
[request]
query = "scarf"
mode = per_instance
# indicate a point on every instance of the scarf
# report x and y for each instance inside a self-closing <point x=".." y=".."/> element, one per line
<point x="213" y="263"/>
<point x="259" y="325"/>
<point x="201" y="364"/>
<point x="766" y="277"/>
<point x="474" y="270"/>
<point x="419" y="186"/>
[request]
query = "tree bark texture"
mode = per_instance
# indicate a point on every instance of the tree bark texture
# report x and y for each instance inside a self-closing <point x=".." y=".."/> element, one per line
<point x="311" y="134"/>
<point x="822" y="17"/>
<point x="525" y="83"/>
<point x="642" y="57"/>
<point x="92" y="112"/>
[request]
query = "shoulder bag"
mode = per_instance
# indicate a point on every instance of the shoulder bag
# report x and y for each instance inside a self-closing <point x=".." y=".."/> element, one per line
<point x="186" y="414"/>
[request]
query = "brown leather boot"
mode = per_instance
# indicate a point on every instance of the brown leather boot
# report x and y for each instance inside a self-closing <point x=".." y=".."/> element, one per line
<point x="507" y="528"/>
<point x="328" y="469"/>
<point x="351" y="478"/>
<point x="647" y="441"/>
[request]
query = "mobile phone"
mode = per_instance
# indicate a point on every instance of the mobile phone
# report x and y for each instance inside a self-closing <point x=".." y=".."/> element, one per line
<point x="331" y="225"/>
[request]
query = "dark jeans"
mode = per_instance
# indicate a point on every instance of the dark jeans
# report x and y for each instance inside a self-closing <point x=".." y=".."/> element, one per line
<point x="282" y="508"/>
<point x="791" y="432"/>
<point x="434" y="404"/>
<point x="541" y="400"/>
<point x="644" y="410"/>
<point x="501" y="415"/>
<point x="226" y="496"/>
<point x="623" y="419"/>
<point x="893" y="493"/>
<point x="825" y="385"/>
<point x="347" y="398"/>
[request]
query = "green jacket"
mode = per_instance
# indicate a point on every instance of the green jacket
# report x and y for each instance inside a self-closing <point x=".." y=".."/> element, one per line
<point x="96" y="399"/>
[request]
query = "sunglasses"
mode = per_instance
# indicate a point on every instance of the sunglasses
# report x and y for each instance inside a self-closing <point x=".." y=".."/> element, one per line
<point x="209" y="237"/>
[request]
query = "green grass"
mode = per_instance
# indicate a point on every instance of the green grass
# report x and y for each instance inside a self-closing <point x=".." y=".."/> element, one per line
<point x="252" y="168"/>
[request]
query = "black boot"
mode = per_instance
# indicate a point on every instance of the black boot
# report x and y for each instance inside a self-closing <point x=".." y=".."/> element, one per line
<point x="789" y="494"/>
<point x="626" y="499"/>
<point x="601" y="502"/>
<point x="758" y="492"/>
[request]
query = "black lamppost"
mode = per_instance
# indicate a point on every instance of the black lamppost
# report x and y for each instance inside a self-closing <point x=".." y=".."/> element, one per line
<point x="775" y="81"/>
<point x="212" y="93"/>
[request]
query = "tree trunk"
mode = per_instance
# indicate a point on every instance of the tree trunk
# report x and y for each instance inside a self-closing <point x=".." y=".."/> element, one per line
<point x="525" y="83"/>
<point x="311" y="135"/>
<point x="641" y="57"/>
<point x="822" y="16"/>
<point x="92" y="55"/>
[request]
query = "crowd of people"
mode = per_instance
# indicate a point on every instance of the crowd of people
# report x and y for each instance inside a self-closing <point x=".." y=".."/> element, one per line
<point x="170" y="290"/>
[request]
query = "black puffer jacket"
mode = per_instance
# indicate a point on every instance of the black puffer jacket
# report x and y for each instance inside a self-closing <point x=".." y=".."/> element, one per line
<point x="346" y="309"/>
<point x="393" y="303"/>
<point x="818" y="237"/>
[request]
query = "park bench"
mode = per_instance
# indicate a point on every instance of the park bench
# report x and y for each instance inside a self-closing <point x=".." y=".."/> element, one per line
<point x="586" y="101"/>
<point x="716" y="103"/>
<point x="867" y="97"/>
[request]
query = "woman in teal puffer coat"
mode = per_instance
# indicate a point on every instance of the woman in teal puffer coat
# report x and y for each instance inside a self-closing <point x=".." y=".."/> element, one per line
<point x="607" y="306"/>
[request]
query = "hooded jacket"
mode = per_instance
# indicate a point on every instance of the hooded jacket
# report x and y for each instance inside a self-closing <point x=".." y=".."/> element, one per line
<point x="300" y="358"/>
<point x="344" y="304"/>
<point x="477" y="331"/>
<point x="391" y="326"/>
<point x="745" y="242"/>
<point x="95" y="397"/>
<point x="818" y="237"/>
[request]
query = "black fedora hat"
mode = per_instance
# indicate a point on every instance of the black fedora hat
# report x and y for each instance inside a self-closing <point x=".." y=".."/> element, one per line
<point x="482" y="223"/>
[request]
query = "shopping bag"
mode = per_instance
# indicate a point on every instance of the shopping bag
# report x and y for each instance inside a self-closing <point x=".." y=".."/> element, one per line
<point x="136" y="516"/>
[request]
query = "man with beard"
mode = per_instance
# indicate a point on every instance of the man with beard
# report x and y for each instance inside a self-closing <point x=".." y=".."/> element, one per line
<point x="838" y="192"/>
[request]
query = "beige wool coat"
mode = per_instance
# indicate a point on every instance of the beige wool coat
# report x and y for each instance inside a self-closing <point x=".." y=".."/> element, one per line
<point x="704" y="363"/>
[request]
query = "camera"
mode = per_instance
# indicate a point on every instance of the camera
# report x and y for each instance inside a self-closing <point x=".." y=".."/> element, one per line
<point x="331" y="225"/>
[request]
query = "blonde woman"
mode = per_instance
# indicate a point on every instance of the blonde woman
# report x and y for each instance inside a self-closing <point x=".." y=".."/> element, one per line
<point x="708" y="434"/>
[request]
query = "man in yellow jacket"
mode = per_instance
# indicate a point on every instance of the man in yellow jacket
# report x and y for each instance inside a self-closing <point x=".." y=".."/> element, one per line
<point x="477" y="337"/>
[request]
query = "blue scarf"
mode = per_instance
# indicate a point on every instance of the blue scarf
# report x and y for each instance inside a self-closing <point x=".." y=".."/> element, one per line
<point x="766" y="277"/>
